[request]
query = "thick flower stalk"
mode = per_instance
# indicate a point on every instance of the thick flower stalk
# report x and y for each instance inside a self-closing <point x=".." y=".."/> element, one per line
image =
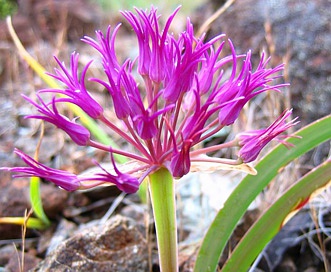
<point x="183" y="100"/>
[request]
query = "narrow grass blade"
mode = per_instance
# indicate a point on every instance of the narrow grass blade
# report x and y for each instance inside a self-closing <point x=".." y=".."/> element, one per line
<point x="36" y="202"/>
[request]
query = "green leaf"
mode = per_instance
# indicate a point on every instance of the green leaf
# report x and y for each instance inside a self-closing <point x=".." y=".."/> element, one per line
<point x="262" y="231"/>
<point x="36" y="202"/>
<point x="250" y="187"/>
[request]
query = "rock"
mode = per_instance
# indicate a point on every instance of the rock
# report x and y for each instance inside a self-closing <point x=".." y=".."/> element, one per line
<point x="119" y="245"/>
<point x="51" y="239"/>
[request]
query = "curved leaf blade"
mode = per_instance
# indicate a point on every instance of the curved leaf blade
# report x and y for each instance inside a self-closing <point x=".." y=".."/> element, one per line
<point x="234" y="208"/>
<point x="262" y="231"/>
<point x="36" y="201"/>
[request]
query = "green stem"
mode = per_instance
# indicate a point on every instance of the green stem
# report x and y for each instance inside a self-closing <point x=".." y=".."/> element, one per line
<point x="162" y="191"/>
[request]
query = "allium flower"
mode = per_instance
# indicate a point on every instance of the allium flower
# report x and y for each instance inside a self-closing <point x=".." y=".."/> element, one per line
<point x="61" y="178"/>
<point x="252" y="142"/>
<point x="184" y="99"/>
<point x="75" y="92"/>
<point x="79" y="134"/>
<point x="72" y="182"/>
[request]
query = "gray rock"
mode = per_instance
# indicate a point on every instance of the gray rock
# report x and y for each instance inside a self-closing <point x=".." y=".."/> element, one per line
<point x="119" y="245"/>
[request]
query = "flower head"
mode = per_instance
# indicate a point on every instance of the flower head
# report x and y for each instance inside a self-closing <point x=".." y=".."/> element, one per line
<point x="183" y="100"/>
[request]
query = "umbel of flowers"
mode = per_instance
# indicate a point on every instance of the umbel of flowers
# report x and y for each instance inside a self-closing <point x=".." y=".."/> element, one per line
<point x="183" y="100"/>
<point x="167" y="100"/>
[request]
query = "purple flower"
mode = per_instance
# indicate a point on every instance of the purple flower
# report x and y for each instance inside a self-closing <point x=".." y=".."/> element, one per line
<point x="71" y="182"/>
<point x="182" y="99"/>
<point x="180" y="162"/>
<point x="123" y="181"/>
<point x="154" y="44"/>
<point x="252" y="142"/>
<point x="63" y="179"/>
<point x="116" y="86"/>
<point x="245" y="86"/>
<point x="106" y="46"/>
<point x="79" y="134"/>
<point x="76" y="91"/>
